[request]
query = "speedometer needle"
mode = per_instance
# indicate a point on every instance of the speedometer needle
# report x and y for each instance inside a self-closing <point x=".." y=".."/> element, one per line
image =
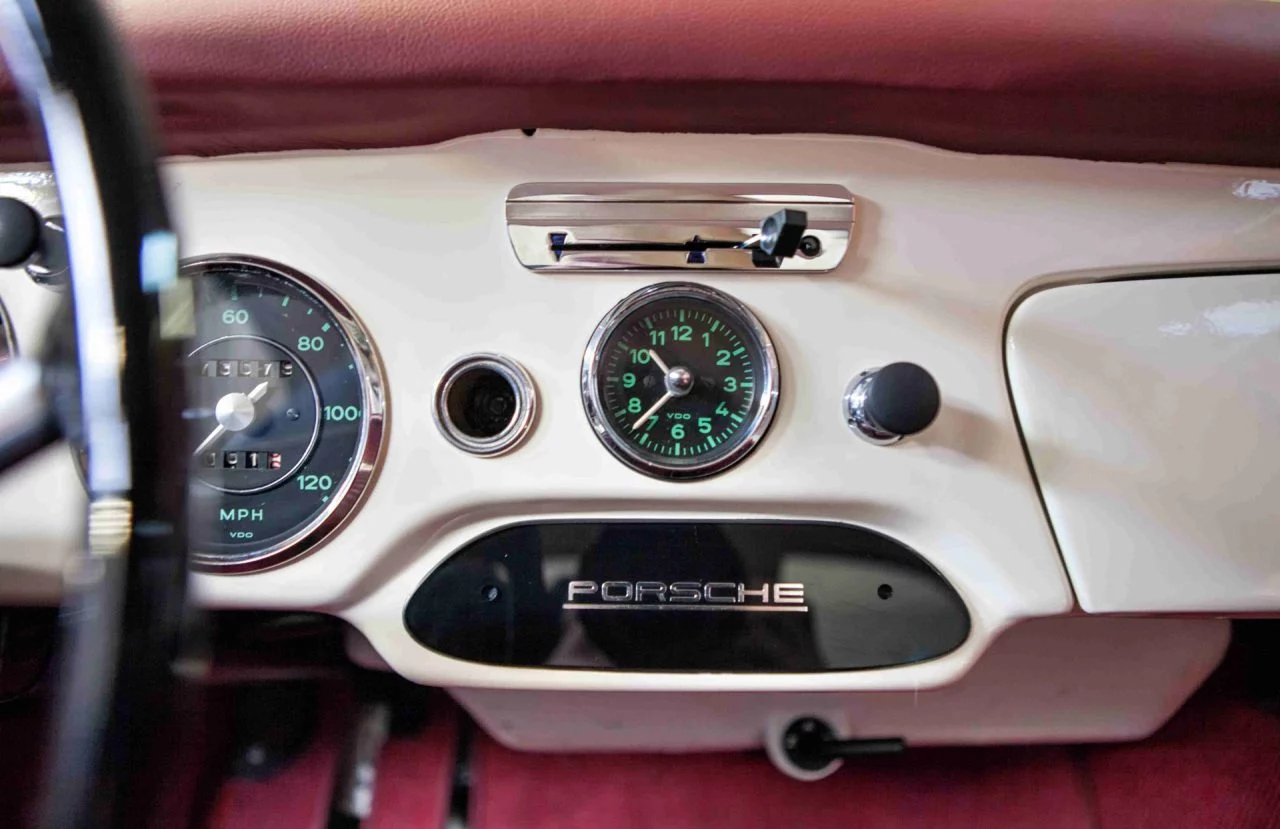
<point x="235" y="411"/>
<point x="653" y="410"/>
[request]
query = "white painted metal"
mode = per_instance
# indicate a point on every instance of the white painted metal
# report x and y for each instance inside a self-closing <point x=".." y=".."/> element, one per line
<point x="1151" y="410"/>
<point x="415" y="241"/>
<point x="1072" y="679"/>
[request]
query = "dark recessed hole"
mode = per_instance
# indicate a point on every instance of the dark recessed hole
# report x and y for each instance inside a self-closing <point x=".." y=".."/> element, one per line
<point x="481" y="403"/>
<point x="885" y="591"/>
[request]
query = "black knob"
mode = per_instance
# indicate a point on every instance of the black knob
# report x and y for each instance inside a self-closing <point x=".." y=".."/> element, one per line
<point x="890" y="403"/>
<point x="19" y="232"/>
<point x="781" y="232"/>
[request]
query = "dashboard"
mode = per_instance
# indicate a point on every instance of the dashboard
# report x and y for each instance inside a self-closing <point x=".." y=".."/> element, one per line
<point x="398" y="418"/>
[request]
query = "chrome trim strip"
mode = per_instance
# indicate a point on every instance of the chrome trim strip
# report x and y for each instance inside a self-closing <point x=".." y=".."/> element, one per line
<point x="640" y="214"/>
<point x="350" y="493"/>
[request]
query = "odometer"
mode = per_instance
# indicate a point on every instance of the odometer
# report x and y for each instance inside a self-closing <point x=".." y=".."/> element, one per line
<point x="286" y="413"/>
<point x="680" y="381"/>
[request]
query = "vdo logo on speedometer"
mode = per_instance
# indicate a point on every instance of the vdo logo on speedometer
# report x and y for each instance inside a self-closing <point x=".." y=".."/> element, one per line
<point x="680" y="381"/>
<point x="285" y="408"/>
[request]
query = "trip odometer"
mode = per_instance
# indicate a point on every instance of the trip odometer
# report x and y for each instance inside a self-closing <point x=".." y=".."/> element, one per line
<point x="680" y="381"/>
<point x="286" y="413"/>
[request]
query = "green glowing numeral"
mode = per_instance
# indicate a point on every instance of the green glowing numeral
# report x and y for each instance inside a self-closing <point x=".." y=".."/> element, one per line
<point x="633" y="405"/>
<point x="704" y="425"/>
<point x="234" y="317"/>
<point x="658" y="337"/>
<point x="731" y="384"/>
<point x="722" y="410"/>
<point x="681" y="333"/>
<point x="677" y="431"/>
<point x="722" y="357"/>
<point x="628" y="380"/>
<point x="341" y="413"/>
<point x="311" y="483"/>
<point x="639" y="358"/>
<point x="652" y="420"/>
<point x="311" y="343"/>
<point x="706" y="340"/>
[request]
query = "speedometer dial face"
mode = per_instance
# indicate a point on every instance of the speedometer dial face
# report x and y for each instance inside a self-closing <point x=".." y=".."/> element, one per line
<point x="680" y="381"/>
<point x="286" y="413"/>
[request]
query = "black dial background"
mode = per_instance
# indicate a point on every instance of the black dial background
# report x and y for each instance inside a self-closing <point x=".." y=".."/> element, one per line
<point x="720" y="351"/>
<point x="227" y="524"/>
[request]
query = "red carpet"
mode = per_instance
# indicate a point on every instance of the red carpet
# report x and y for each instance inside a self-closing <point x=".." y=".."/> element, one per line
<point x="297" y="797"/>
<point x="416" y="774"/>
<point x="926" y="789"/>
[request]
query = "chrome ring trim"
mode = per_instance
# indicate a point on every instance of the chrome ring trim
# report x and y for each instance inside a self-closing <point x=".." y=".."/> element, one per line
<point x="766" y="402"/>
<point x="521" y="421"/>
<point x="351" y="491"/>
<point x="8" y="342"/>
<point x="855" y="412"/>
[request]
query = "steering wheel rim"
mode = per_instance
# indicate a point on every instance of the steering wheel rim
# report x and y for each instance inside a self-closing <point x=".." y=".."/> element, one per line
<point x="120" y="375"/>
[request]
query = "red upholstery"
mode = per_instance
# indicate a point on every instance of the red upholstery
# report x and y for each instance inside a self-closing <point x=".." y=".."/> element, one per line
<point x="1187" y="80"/>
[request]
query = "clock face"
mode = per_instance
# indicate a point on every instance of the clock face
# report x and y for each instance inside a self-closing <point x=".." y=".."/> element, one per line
<point x="680" y="381"/>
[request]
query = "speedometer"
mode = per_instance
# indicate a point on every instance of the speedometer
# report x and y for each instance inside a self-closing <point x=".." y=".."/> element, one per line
<point x="680" y="381"/>
<point x="286" y="413"/>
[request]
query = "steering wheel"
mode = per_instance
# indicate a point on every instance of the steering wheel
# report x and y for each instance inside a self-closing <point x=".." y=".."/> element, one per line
<point x="110" y="378"/>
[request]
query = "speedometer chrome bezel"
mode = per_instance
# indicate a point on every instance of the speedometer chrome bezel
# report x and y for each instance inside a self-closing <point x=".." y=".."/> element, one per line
<point x="356" y="483"/>
<point x="763" y="407"/>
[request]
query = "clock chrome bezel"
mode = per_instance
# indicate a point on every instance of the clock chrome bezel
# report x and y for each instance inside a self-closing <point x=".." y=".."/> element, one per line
<point x="763" y="407"/>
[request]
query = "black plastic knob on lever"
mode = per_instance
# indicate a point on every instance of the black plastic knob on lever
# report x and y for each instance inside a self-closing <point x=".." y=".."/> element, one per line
<point x="811" y="744"/>
<point x="19" y="232"/>
<point x="781" y="232"/>
<point x="885" y="405"/>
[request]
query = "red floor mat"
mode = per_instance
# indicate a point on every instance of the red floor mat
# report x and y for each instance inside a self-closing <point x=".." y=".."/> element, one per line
<point x="298" y="796"/>
<point x="415" y="774"/>
<point x="1025" y="787"/>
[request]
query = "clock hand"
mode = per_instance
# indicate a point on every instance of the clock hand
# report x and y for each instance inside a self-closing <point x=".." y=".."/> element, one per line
<point x="653" y="355"/>
<point x="653" y="410"/>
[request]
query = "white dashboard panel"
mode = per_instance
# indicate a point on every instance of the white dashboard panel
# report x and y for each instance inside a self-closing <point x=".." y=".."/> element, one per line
<point x="1070" y="679"/>
<point x="1150" y="410"/>
<point x="415" y="242"/>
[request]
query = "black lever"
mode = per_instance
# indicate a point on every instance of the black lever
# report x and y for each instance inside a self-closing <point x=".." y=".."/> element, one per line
<point x="812" y="744"/>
